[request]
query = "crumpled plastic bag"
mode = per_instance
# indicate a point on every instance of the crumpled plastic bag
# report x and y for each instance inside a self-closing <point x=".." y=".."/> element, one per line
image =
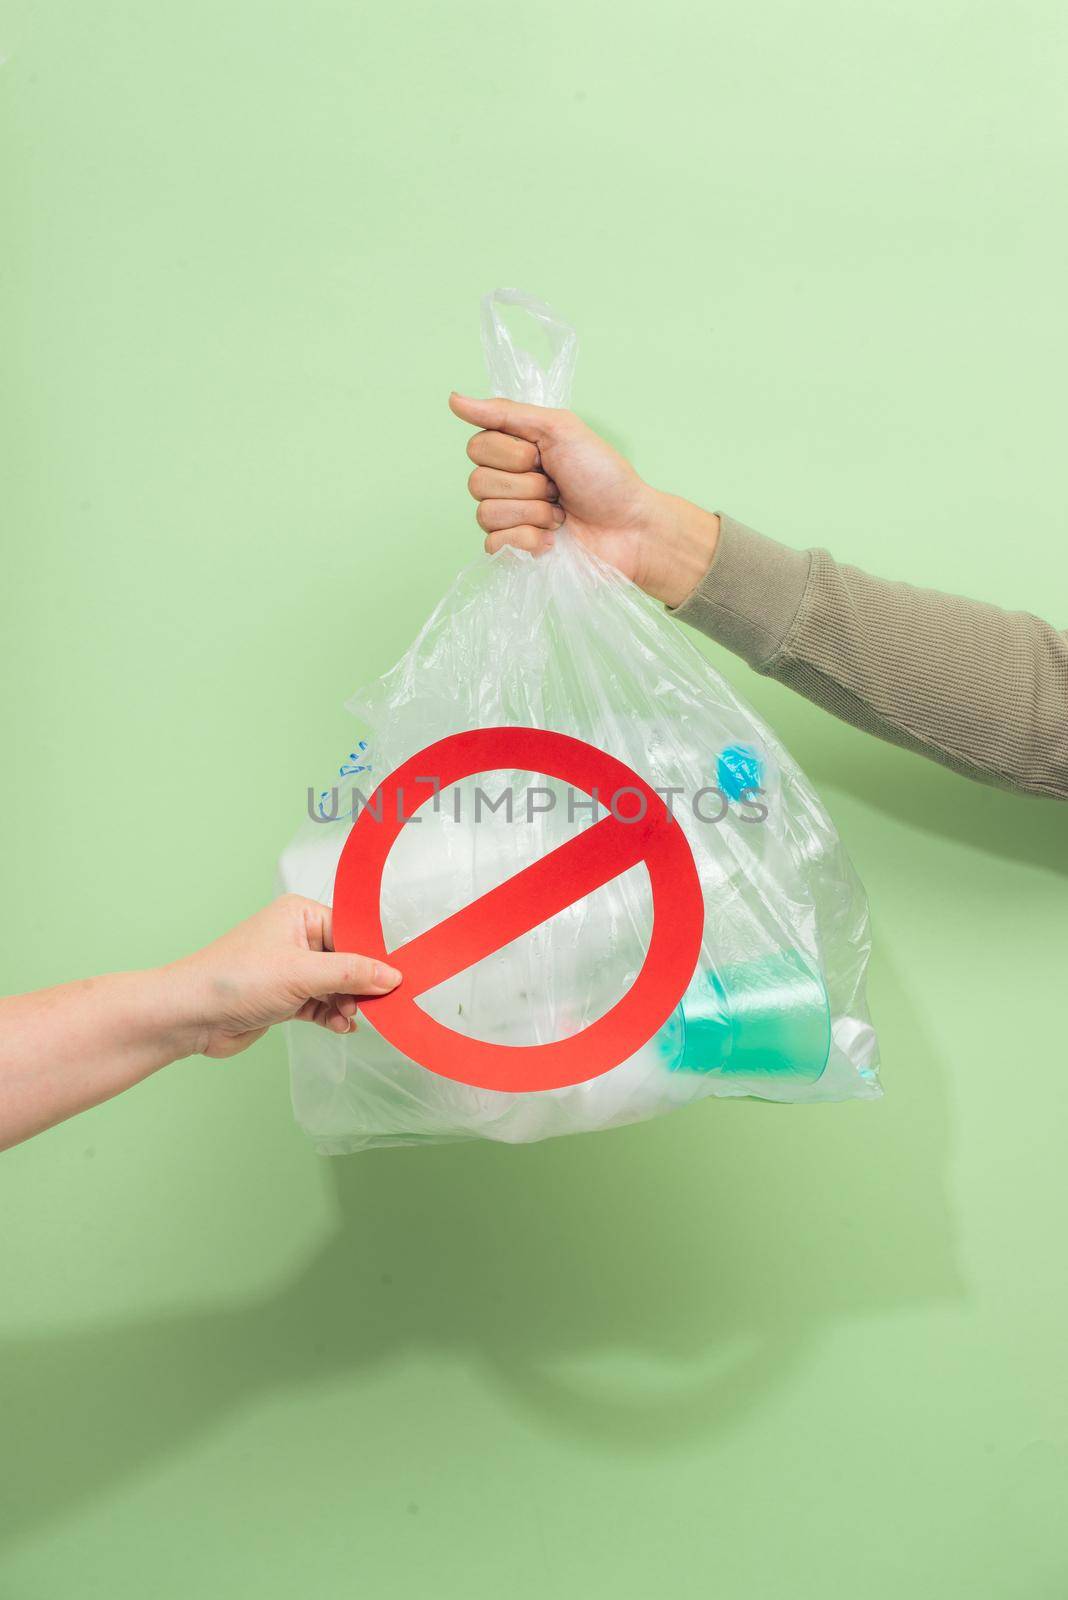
<point x="775" y="1005"/>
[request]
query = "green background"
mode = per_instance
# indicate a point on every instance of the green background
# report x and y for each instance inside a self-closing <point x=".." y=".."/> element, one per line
<point x="816" y="254"/>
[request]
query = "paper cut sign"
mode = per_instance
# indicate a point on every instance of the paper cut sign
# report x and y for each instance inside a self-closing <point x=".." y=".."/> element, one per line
<point x="641" y="829"/>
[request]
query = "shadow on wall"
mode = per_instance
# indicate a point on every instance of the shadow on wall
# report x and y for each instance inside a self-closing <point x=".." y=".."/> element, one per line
<point x="708" y="1254"/>
<point x="1029" y="830"/>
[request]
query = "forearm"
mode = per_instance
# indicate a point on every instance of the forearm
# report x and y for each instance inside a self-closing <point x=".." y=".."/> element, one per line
<point x="63" y="1050"/>
<point x="66" y="1049"/>
<point x="981" y="690"/>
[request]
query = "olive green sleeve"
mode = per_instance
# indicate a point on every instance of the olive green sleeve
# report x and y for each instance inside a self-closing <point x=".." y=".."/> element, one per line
<point x="981" y="690"/>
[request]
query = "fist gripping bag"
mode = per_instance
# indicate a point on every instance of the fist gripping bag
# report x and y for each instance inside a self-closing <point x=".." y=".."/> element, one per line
<point x="752" y="967"/>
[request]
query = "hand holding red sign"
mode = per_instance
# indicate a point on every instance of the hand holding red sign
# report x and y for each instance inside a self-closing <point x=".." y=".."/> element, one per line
<point x="641" y="829"/>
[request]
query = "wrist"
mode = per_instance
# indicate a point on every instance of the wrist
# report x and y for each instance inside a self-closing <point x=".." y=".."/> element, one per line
<point x="140" y="1020"/>
<point x="178" y="1015"/>
<point x="679" y="541"/>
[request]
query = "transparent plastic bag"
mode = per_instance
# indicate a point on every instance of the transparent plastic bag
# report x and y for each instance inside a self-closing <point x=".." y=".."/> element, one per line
<point x="775" y="1007"/>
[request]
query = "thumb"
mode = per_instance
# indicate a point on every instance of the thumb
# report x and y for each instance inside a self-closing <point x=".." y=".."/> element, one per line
<point x="321" y="973"/>
<point x="536" y="423"/>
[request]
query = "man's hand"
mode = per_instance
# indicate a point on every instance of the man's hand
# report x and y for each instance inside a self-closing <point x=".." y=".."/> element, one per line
<point x="277" y="966"/>
<point x="536" y="468"/>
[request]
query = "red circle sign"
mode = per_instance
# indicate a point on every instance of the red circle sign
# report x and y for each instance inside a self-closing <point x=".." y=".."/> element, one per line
<point x="595" y="856"/>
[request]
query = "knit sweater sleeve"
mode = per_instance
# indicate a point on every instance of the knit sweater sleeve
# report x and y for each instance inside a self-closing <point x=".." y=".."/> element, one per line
<point x="981" y="690"/>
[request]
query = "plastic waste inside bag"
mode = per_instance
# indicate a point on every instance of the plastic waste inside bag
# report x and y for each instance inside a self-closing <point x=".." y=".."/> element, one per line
<point x="758" y="992"/>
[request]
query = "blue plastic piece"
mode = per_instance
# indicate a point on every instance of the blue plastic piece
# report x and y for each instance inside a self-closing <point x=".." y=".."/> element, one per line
<point x="739" y="769"/>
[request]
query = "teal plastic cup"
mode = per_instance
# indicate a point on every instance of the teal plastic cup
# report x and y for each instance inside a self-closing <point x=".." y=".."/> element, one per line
<point x="762" y="1019"/>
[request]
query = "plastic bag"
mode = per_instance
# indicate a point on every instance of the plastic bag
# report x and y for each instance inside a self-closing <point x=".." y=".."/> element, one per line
<point x="775" y="1006"/>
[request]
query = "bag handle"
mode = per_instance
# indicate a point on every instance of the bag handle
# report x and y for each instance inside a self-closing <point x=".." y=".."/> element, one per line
<point x="514" y="372"/>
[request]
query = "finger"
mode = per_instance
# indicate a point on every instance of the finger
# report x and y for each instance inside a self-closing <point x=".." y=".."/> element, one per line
<point x="314" y="1011"/>
<point x="536" y="423"/>
<point x="499" y="450"/>
<point x="536" y="540"/>
<point x="315" y="918"/>
<point x="327" y="1014"/>
<point x="486" y="484"/>
<point x="339" y="1024"/>
<point x="323" y="975"/>
<point x="495" y="514"/>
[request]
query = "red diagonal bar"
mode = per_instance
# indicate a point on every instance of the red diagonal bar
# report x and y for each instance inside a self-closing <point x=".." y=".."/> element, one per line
<point x="575" y="869"/>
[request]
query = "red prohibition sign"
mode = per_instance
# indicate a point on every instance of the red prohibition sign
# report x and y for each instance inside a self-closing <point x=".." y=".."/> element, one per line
<point x="635" y="832"/>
